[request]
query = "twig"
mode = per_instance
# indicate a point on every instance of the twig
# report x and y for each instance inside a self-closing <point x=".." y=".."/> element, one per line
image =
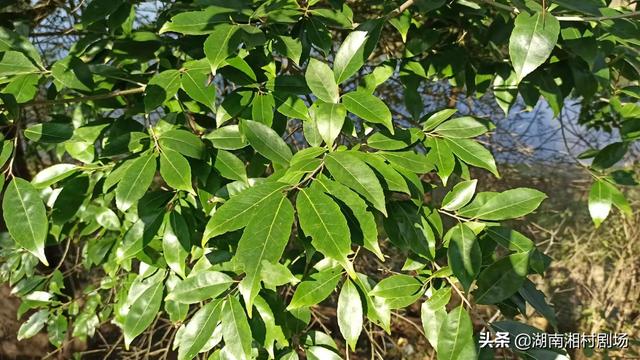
<point x="108" y="95"/>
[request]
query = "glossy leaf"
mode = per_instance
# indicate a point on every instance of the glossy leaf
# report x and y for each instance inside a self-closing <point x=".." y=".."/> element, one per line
<point x="135" y="181"/>
<point x="144" y="304"/>
<point x="455" y="335"/>
<point x="199" y="329"/>
<point x="349" y="313"/>
<point x="460" y="195"/>
<point x="184" y="142"/>
<point x="266" y="141"/>
<point x="235" y="329"/>
<point x="229" y="166"/>
<point x="321" y="219"/>
<point x="532" y="40"/>
<point x="600" y="201"/>
<point x="502" y="279"/>
<point x="264" y="239"/>
<point x="510" y="204"/>
<point x="321" y="82"/>
<point x="200" y="286"/>
<point x="354" y="173"/>
<point x="220" y="44"/>
<point x="369" y="108"/>
<point x="227" y="138"/>
<point x="25" y="217"/>
<point x="313" y="291"/>
<point x="464" y="255"/>
<point x="329" y="119"/>
<point x="238" y="211"/>
<point x="175" y="170"/>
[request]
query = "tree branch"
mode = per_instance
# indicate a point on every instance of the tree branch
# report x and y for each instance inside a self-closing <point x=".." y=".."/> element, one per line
<point x="399" y="10"/>
<point x="108" y="95"/>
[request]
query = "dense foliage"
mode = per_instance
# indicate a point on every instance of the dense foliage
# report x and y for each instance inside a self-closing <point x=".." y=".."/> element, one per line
<point x="229" y="165"/>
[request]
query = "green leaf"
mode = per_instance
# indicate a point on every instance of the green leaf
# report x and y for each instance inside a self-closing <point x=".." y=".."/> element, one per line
<point x="464" y="127"/>
<point x="354" y="50"/>
<point x="73" y="73"/>
<point x="16" y="63"/>
<point x="25" y="217"/>
<point x="510" y="204"/>
<point x="293" y="107"/>
<point x="398" y="290"/>
<point x="274" y="274"/>
<point x="390" y="176"/>
<point x="52" y="175"/>
<point x="23" y="87"/>
<point x="609" y="156"/>
<point x="312" y="292"/>
<point x="408" y="228"/>
<point x="239" y="210"/>
<point x="33" y="325"/>
<point x="273" y="331"/>
<point x="289" y="47"/>
<point x="196" y="84"/>
<point x="320" y="80"/>
<point x="162" y="87"/>
<point x="175" y="170"/>
<point x="104" y="216"/>
<point x="532" y="40"/>
<point x="49" y="132"/>
<point x="6" y="150"/>
<point x="184" y="142"/>
<point x="144" y="302"/>
<point x="198" y="22"/>
<point x="200" y="286"/>
<point x="176" y="243"/>
<point x="10" y="40"/>
<point x="349" y="170"/>
<point x="510" y="239"/>
<point x="460" y="195"/>
<point x="464" y="255"/>
<point x="57" y="330"/>
<point x="262" y="108"/>
<point x="349" y="312"/>
<point x="368" y="107"/>
<point x="401" y="139"/>
<point x="437" y="118"/>
<point x="266" y="141"/>
<point x="264" y="239"/>
<point x="135" y="181"/>
<point x="177" y="312"/>
<point x="364" y="218"/>
<point x="230" y="166"/>
<point x="409" y="161"/>
<point x="502" y="279"/>
<point x="321" y="219"/>
<point x="221" y="44"/>
<point x="455" y="335"/>
<point x="227" y="138"/>
<point x="473" y="153"/>
<point x="600" y="201"/>
<point x="441" y="155"/>
<point x="235" y="330"/>
<point x="199" y="330"/>
<point x="329" y="119"/>
<point x="433" y="314"/>
<point x="318" y="34"/>
<point x="536" y="299"/>
<point x="321" y="353"/>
